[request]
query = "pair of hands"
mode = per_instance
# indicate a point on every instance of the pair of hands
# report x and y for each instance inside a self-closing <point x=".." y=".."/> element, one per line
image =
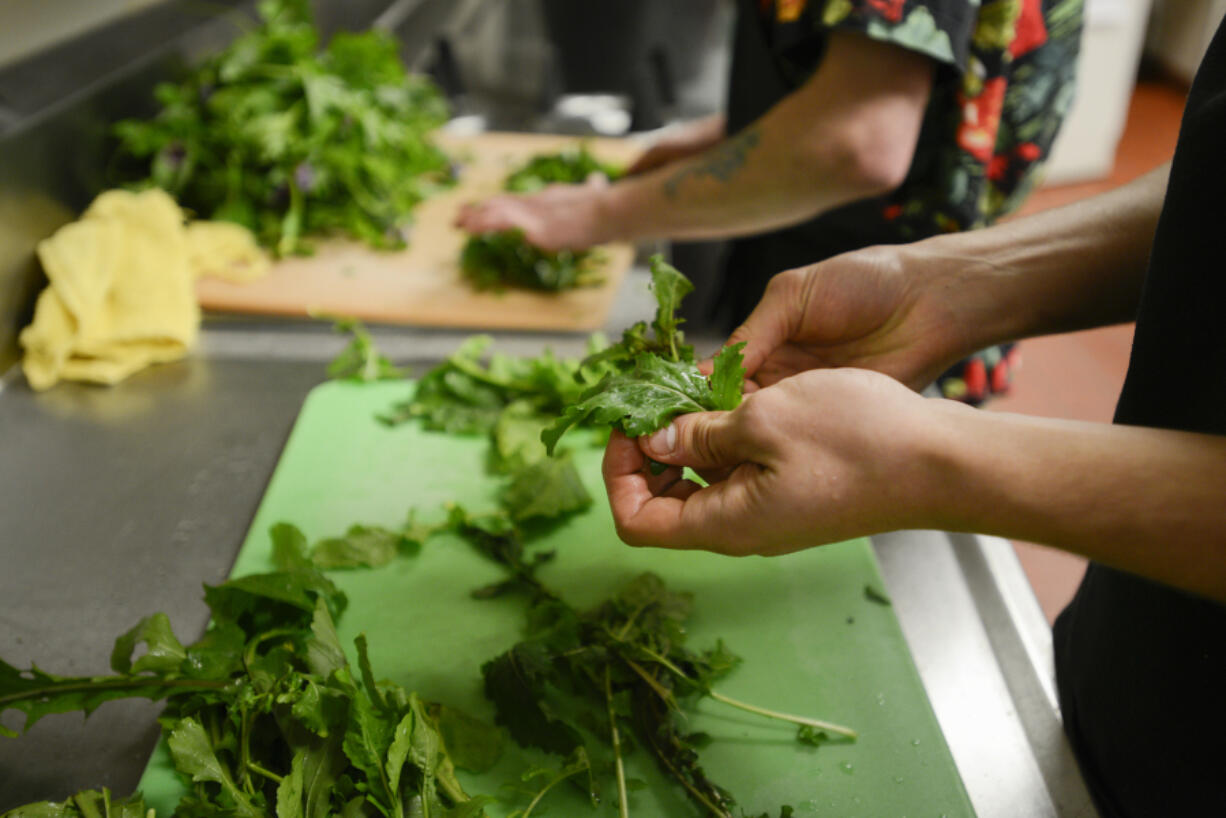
<point x="830" y="443"/>
<point x="575" y="217"/>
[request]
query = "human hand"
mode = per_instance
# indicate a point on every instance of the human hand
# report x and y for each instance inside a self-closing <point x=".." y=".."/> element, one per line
<point x="882" y="308"/>
<point x="556" y="218"/>
<point x="687" y="139"/>
<point x="819" y="457"/>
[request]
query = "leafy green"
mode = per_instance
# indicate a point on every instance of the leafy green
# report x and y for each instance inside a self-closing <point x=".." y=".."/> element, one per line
<point x="653" y="380"/>
<point x="568" y="167"/>
<point x="87" y="804"/>
<point x="501" y="259"/>
<point x="264" y="714"/>
<point x="363" y="546"/>
<point x="728" y="377"/>
<point x="360" y="360"/>
<point x="547" y="488"/>
<point x="580" y="681"/>
<point x="468" y="393"/>
<point x="291" y="140"/>
<point x="195" y="757"/>
<point x="587" y="685"/>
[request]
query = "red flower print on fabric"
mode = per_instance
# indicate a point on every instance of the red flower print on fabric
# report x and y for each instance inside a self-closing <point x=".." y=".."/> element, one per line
<point x="981" y="119"/>
<point x="1030" y="31"/>
<point x="890" y="10"/>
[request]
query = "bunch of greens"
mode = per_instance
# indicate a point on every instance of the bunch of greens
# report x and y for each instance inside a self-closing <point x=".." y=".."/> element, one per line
<point x="492" y="261"/>
<point x="510" y="399"/>
<point x="289" y="140"/>
<point x="265" y="716"/>
<point x="649" y="381"/>
<point x="591" y="685"/>
<point x="567" y="167"/>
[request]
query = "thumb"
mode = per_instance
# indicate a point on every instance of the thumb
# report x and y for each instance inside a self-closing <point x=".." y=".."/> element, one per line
<point x="701" y="440"/>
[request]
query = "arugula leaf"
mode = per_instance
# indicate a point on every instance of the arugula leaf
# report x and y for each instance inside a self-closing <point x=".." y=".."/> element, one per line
<point x="194" y="756"/>
<point x="516" y="437"/>
<point x="165" y="653"/>
<point x="367" y="546"/>
<point x="37" y="693"/>
<point x="266" y="601"/>
<point x="471" y="744"/>
<point x="669" y="287"/>
<point x="620" y="668"/>
<point x="638" y="401"/>
<point x="86" y="804"/>
<point x="548" y="488"/>
<point x="653" y="380"/>
<point x="728" y="378"/>
<point x="263" y="712"/>
<point x="291" y="789"/>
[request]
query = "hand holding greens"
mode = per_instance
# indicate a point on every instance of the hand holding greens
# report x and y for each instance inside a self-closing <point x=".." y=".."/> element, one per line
<point x="492" y="261"/>
<point x="653" y="379"/>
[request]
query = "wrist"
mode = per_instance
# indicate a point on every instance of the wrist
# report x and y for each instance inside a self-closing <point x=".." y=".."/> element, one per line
<point x="948" y="447"/>
<point x="612" y="219"/>
<point x="971" y="293"/>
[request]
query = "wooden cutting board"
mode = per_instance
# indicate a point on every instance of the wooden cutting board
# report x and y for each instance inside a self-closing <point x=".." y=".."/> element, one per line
<point x="811" y="640"/>
<point x="422" y="284"/>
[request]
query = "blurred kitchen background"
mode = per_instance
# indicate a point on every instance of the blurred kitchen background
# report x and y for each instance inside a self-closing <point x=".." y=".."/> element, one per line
<point x="614" y="68"/>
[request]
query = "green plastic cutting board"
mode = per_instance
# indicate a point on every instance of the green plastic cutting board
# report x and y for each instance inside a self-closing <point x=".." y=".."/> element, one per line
<point x="811" y="640"/>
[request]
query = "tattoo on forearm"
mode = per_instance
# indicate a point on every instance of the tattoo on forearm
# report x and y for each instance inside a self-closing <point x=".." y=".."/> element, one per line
<point x="721" y="163"/>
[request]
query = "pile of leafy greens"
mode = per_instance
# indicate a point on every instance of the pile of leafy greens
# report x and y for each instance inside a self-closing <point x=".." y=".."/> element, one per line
<point x="493" y="261"/>
<point x="650" y="380"/>
<point x="511" y="400"/>
<point x="290" y="140"/>
<point x="567" y="167"/>
<point x="590" y="686"/>
<point x="265" y="716"/>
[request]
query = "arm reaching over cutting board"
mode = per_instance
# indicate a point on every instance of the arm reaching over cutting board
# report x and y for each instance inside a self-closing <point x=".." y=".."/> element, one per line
<point x="785" y="168"/>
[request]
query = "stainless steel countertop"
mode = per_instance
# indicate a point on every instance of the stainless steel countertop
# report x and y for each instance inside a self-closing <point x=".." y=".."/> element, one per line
<point x="117" y="502"/>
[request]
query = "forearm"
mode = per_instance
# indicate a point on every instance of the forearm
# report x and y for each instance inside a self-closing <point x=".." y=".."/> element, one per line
<point x="1148" y="501"/>
<point x="847" y="134"/>
<point x="1071" y="268"/>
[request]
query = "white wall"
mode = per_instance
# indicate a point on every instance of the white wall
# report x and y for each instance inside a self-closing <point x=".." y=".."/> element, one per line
<point x="1180" y="31"/>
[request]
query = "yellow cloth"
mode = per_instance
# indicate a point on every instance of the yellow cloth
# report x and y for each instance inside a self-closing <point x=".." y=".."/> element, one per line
<point x="121" y="293"/>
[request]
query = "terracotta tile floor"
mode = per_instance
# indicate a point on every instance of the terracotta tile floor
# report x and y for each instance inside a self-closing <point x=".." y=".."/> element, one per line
<point x="1079" y="375"/>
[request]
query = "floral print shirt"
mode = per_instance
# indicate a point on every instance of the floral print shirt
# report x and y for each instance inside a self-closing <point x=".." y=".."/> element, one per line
<point x="1003" y="87"/>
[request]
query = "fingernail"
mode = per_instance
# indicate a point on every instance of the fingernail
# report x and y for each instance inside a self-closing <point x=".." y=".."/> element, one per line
<point x="663" y="441"/>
